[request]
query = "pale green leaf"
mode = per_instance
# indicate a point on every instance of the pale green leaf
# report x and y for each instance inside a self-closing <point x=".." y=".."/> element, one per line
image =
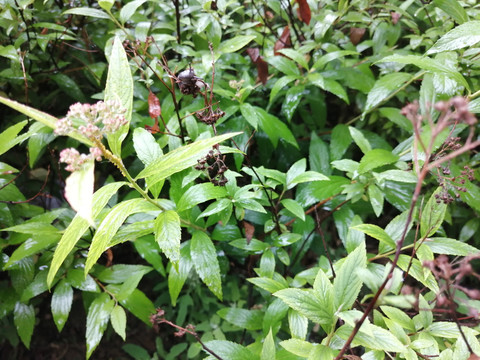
<point x="119" y="87"/>
<point x="376" y="232"/>
<point x="268" y="349"/>
<point x="467" y="34"/>
<point x="294" y="207"/>
<point x="79" y="190"/>
<point x="199" y="194"/>
<point x="376" y="158"/>
<point x="86" y="11"/>
<point x="249" y="113"/>
<point x="129" y="9"/>
<point x="432" y="214"/>
<point x="360" y="139"/>
<point x="447" y="246"/>
<point x="298" y="347"/>
<point x="306" y="303"/>
<point x="9" y="138"/>
<point x="118" y="318"/>
<point x="230" y="350"/>
<point x="146" y="147"/>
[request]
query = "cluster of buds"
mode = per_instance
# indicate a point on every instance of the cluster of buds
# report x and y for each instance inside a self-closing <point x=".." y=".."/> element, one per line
<point x="75" y="160"/>
<point x="208" y="115"/>
<point x="214" y="165"/>
<point x="86" y="118"/>
<point x="456" y="184"/>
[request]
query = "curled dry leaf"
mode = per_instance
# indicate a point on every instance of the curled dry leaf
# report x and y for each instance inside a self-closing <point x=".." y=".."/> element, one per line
<point x="249" y="231"/>
<point x="283" y="42"/>
<point x="154" y="109"/>
<point x="304" y="13"/>
<point x="262" y="66"/>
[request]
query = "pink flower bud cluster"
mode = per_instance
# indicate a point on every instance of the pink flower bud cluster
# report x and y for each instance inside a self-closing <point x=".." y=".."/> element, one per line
<point x="75" y="160"/>
<point x="87" y="118"/>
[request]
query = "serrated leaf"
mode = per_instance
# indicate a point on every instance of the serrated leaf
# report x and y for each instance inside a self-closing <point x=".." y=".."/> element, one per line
<point x="118" y="318"/>
<point x="428" y="64"/>
<point x="24" y="320"/>
<point x="298" y="325"/>
<point x="306" y="303"/>
<point x="199" y="194"/>
<point x="467" y="34"/>
<point x="230" y="350"/>
<point x="119" y="87"/>
<point x="245" y="319"/>
<point x="347" y="283"/>
<point x="376" y="232"/>
<point x="373" y="337"/>
<point x="178" y="275"/>
<point x="447" y="246"/>
<point x="268" y="348"/>
<point x="235" y="44"/>
<point x="168" y="234"/>
<point x="376" y="158"/>
<point x="204" y="258"/>
<point x="181" y="158"/>
<point x="77" y="228"/>
<point x="97" y="321"/>
<point x="79" y="190"/>
<point x="375" y="195"/>
<point x="432" y="214"/>
<point x="61" y="304"/>
<point x="110" y="225"/>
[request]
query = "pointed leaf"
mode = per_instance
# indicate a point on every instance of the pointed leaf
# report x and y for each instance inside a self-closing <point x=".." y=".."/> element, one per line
<point x="86" y="11"/>
<point x="178" y="275"/>
<point x="24" y="319"/>
<point x="79" y="190"/>
<point x="199" y="194"/>
<point x="432" y="214"/>
<point x="119" y="87"/>
<point x="246" y="319"/>
<point x="118" y="318"/>
<point x="360" y="139"/>
<point x="376" y="158"/>
<point x="467" y="34"/>
<point x="146" y="147"/>
<point x="204" y="258"/>
<point x="168" y="234"/>
<point x="62" y="299"/>
<point x="450" y="247"/>
<point x="384" y="87"/>
<point x="97" y="321"/>
<point x="268" y="349"/>
<point x="235" y="43"/>
<point x="306" y="303"/>
<point x="376" y="232"/>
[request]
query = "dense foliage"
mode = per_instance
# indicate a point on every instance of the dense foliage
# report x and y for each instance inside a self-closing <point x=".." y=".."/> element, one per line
<point x="252" y="180"/>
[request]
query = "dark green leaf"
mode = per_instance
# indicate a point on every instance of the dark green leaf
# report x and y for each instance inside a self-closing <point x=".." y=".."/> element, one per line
<point x="97" y="321"/>
<point x="24" y="319"/>
<point x="384" y="87"/>
<point x="61" y="305"/>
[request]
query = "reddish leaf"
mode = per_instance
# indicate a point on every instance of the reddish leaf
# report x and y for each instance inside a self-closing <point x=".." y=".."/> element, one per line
<point x="262" y="69"/>
<point x="304" y="12"/>
<point x="262" y="66"/>
<point x="254" y="54"/>
<point x="154" y="109"/>
<point x="474" y="357"/>
<point x="249" y="231"/>
<point x="283" y="42"/>
<point x="395" y="17"/>
<point x="356" y="35"/>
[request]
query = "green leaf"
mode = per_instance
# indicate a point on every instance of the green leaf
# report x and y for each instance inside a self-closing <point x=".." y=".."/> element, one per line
<point x="119" y="87"/>
<point x="249" y="113"/>
<point x="331" y="56"/>
<point x="308" y="176"/>
<point x="268" y="348"/>
<point x="9" y="138"/>
<point x="372" y="337"/>
<point x="120" y="273"/>
<point x="245" y="319"/>
<point x="418" y="271"/>
<point x="347" y="283"/>
<point x="399" y="317"/>
<point x="97" y="321"/>
<point x="200" y="193"/>
<point x="467" y="34"/>
<point x="432" y="214"/>
<point x="181" y="158"/>
<point x="444" y="329"/>
<point x="453" y="9"/>
<point x="204" y="258"/>
<point x="275" y="128"/>
<point x="428" y="64"/>
<point x="295" y="170"/>
<point x="61" y="304"/>
<point x="110" y="224"/>
<point x="360" y="139"/>
<point x="376" y="158"/>
<point x="42" y="117"/>
<point x="106" y="4"/>
<point x="178" y="275"/>
<point x="295" y="56"/>
<point x="306" y="303"/>
<point x="145" y="145"/>
<point x="375" y="195"/>
<point x="268" y="284"/>
<point x="168" y="234"/>
<point x="292" y="100"/>
<point x="318" y="156"/>
<point x="77" y="228"/>
<point x="280" y="84"/>
<point x="384" y="87"/>
<point x="24" y="319"/>
<point x="285" y="65"/>
<point x="294" y="207"/>
<point x="79" y="190"/>
<point x="397" y="175"/>
<point x="129" y="9"/>
<point x="32" y="245"/>
<point x="340" y="141"/>
<point x="86" y="11"/>
<point x="440" y="245"/>
<point x="376" y="232"/>
<point x="298" y="325"/>
<point x="118" y="318"/>
<point x="235" y="43"/>
<point x="230" y="350"/>
<point x="298" y="347"/>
